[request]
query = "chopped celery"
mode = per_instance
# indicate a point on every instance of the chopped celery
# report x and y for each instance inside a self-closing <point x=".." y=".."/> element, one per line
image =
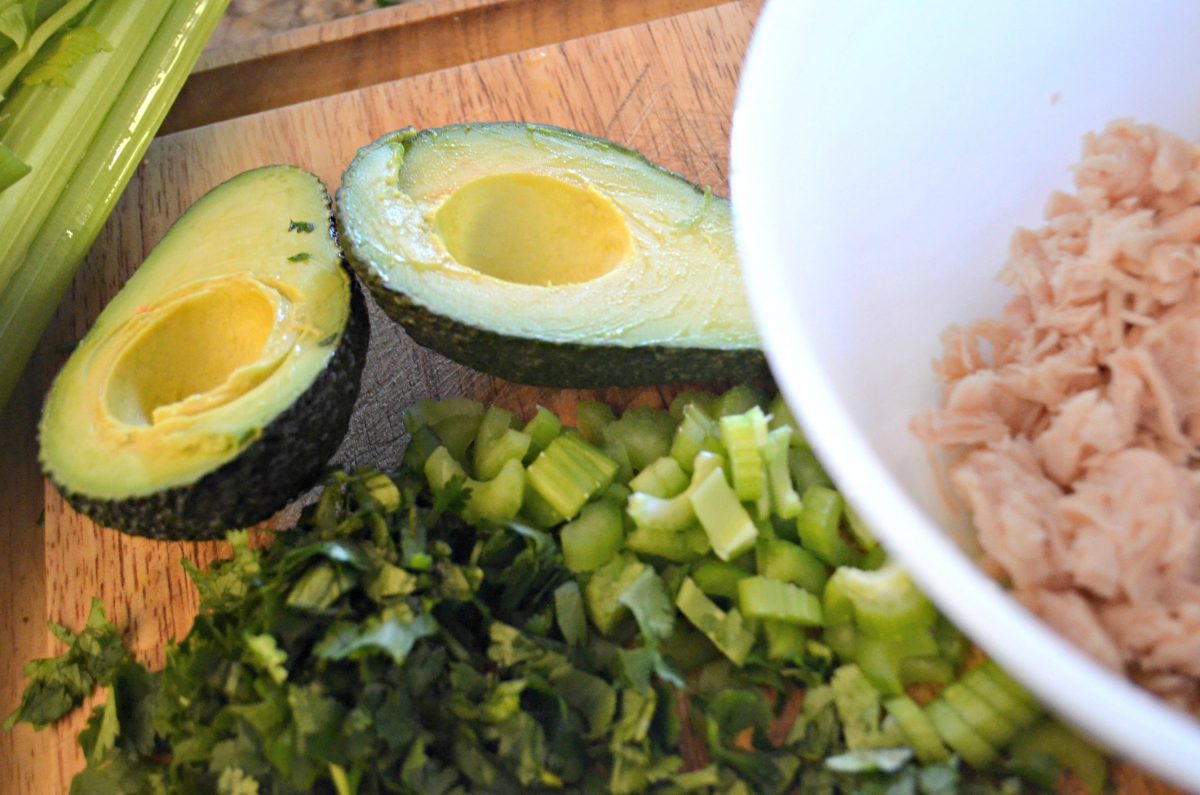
<point x="953" y="646"/>
<point x="1068" y="750"/>
<point x="1001" y="678"/>
<point x="961" y="738"/>
<point x="642" y="434"/>
<point x="819" y="526"/>
<point x="782" y="417"/>
<point x="737" y="400"/>
<point x="696" y="433"/>
<point x="617" y="493"/>
<point x="926" y="668"/>
<point x="685" y="546"/>
<point x="423" y="442"/>
<point x="662" y="478"/>
<point x="760" y="597"/>
<point x="1020" y="712"/>
<point x="784" y="641"/>
<point x="543" y="429"/>
<point x="431" y="412"/>
<point x="858" y="706"/>
<point x="784" y="561"/>
<point x="785" y="502"/>
<point x="987" y="722"/>
<point x="672" y="513"/>
<point x="880" y="663"/>
<point x="806" y="469"/>
<point x="744" y="436"/>
<point x="537" y="510"/>
<point x="727" y="631"/>
<point x="491" y="457"/>
<point x="591" y="417"/>
<point x="862" y="534"/>
<point x="729" y="527"/>
<point x="842" y="638"/>
<point x="602" y="594"/>
<point x="883" y="603"/>
<point x="383" y="490"/>
<point x="718" y="578"/>
<point x="495" y="500"/>
<point x="594" y="538"/>
<point x="703" y="401"/>
<point x="920" y="731"/>
<point x="569" y="472"/>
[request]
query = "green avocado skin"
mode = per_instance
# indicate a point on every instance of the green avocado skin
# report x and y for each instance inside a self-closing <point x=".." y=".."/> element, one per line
<point x="562" y="364"/>
<point x="288" y="458"/>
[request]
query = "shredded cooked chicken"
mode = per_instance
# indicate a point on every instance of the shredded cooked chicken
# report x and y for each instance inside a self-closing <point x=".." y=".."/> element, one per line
<point x="1073" y="420"/>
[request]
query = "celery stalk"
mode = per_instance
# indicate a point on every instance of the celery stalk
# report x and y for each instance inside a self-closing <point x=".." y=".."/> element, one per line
<point x="64" y="236"/>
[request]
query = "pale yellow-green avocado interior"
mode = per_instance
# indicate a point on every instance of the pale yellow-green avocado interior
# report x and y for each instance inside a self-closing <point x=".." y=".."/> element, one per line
<point x="228" y="321"/>
<point x="536" y="233"/>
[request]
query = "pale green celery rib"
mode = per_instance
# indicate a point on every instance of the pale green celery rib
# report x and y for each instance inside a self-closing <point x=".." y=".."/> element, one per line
<point x="51" y="128"/>
<point x="27" y="305"/>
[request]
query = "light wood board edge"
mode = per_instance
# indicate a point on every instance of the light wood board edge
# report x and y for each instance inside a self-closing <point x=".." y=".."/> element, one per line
<point x="389" y="44"/>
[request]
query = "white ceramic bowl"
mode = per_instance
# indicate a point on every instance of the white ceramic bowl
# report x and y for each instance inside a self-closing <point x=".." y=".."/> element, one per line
<point x="883" y="153"/>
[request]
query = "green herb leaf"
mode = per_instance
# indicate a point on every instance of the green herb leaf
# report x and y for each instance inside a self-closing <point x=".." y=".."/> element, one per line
<point x="302" y="256"/>
<point x="300" y="226"/>
<point x="75" y="45"/>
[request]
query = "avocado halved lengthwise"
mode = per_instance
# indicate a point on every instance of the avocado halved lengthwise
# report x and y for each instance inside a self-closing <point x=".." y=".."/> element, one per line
<point x="216" y="384"/>
<point x="549" y="257"/>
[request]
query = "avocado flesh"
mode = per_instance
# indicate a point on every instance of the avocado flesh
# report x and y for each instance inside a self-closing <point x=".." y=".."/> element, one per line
<point x="549" y="257"/>
<point x="217" y="382"/>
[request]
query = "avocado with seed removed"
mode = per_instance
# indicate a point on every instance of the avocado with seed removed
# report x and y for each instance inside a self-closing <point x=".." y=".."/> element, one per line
<point x="548" y="257"/>
<point x="215" y="385"/>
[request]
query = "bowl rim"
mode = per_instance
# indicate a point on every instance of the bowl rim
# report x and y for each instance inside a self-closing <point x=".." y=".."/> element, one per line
<point x="1109" y="708"/>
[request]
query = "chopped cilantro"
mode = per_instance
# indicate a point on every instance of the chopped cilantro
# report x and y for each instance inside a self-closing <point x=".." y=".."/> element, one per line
<point x="301" y="226"/>
<point x="302" y="256"/>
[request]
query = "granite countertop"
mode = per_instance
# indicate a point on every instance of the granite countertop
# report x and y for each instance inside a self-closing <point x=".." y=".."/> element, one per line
<point x="248" y="19"/>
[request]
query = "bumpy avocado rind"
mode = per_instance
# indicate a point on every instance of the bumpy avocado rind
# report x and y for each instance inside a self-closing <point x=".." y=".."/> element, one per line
<point x="154" y="428"/>
<point x="637" y="283"/>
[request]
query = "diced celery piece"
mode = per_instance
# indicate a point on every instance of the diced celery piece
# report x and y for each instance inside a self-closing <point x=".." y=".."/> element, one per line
<point x="617" y="493"/>
<point x="543" y="429"/>
<point x="685" y="546"/>
<point x="961" y="738"/>
<point x="784" y="561"/>
<point x="880" y="663"/>
<point x="729" y="527"/>
<point x="818" y="526"/>
<point x="1054" y="740"/>
<point x="1001" y="677"/>
<point x="744" y="436"/>
<point x="842" y="638"/>
<point x="643" y="434"/>
<point x="718" y="578"/>
<point x="594" y="538"/>
<point x="858" y="706"/>
<point x="569" y="613"/>
<point x="926" y="668"/>
<point x="672" y="513"/>
<point x="785" y="502"/>
<point x="858" y="528"/>
<point x="591" y="417"/>
<point x="782" y="417"/>
<point x="603" y="591"/>
<point x="760" y="597"/>
<point x="727" y="631"/>
<point x="806" y="469"/>
<point x="697" y="432"/>
<point x="737" y="400"/>
<point x="423" y="442"/>
<point x="987" y="722"/>
<point x="922" y="736"/>
<point x="431" y="412"/>
<point x="491" y="457"/>
<point x="441" y="468"/>
<point x="498" y="499"/>
<point x="784" y="641"/>
<point x="952" y="644"/>
<point x="537" y="510"/>
<point x="703" y="401"/>
<point x="662" y="478"/>
<point x="1020" y="712"/>
<point x="884" y="604"/>
<point x="569" y="472"/>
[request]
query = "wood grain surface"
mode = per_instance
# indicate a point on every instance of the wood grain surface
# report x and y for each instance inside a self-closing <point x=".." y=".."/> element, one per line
<point x="665" y="87"/>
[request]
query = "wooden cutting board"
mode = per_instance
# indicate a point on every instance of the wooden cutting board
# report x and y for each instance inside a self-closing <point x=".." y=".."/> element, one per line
<point x="652" y="74"/>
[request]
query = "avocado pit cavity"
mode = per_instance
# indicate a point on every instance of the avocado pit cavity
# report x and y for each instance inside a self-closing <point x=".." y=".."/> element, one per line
<point x="194" y="352"/>
<point x="532" y="229"/>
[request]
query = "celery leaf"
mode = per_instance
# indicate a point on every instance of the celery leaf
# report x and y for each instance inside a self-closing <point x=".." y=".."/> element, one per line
<point x="72" y="48"/>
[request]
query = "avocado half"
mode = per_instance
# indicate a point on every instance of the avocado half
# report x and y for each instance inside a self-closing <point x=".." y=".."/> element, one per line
<point x="549" y="257"/>
<point x="216" y="384"/>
